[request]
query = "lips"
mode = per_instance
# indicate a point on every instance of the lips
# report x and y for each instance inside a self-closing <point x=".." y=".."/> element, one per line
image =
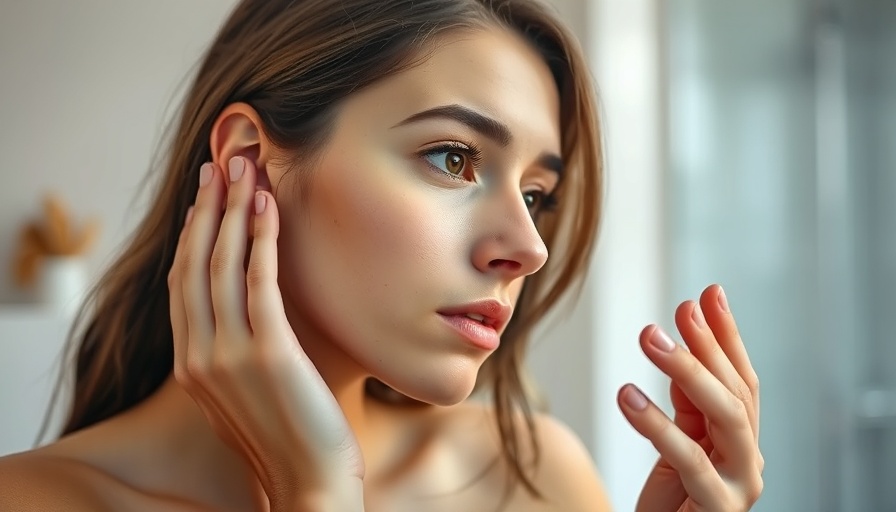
<point x="489" y="312"/>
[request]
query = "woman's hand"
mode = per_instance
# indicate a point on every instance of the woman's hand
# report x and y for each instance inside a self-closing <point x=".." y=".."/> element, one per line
<point x="237" y="356"/>
<point x="709" y="454"/>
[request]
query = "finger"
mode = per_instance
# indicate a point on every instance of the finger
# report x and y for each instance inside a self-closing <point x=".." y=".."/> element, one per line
<point x="688" y="418"/>
<point x="227" y="277"/>
<point x="180" y="333"/>
<point x="194" y="265"/>
<point x="702" y="343"/>
<point x="700" y="479"/>
<point x="265" y="303"/>
<point x="177" y="313"/>
<point x="714" y="305"/>
<point x="729" y="425"/>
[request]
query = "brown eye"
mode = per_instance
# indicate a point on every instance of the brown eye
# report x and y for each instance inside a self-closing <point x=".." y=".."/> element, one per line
<point x="454" y="163"/>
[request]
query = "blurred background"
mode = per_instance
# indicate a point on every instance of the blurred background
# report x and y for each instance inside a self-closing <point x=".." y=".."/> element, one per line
<point x="751" y="144"/>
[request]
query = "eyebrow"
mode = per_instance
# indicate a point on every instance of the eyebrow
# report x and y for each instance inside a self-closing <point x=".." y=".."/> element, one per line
<point x="486" y="126"/>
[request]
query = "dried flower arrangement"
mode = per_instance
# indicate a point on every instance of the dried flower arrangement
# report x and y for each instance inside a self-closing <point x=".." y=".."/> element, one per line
<point x="56" y="235"/>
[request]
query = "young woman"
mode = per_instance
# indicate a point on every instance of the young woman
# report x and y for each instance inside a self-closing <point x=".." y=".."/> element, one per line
<point x="351" y="234"/>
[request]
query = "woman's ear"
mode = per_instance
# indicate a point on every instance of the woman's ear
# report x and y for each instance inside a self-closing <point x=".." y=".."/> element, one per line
<point x="238" y="132"/>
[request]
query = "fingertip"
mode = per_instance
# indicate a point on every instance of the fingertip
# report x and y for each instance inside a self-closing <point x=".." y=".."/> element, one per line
<point x="723" y="300"/>
<point x="646" y="332"/>
<point x="712" y="297"/>
<point x="261" y="202"/>
<point x="632" y="398"/>
<point x="206" y="174"/>
<point x="684" y="313"/>
<point x="683" y="307"/>
<point x="265" y="220"/>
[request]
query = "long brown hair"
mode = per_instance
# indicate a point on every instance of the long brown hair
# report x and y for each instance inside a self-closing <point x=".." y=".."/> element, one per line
<point x="293" y="61"/>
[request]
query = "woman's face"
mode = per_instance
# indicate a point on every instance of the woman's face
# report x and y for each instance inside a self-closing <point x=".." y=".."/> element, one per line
<point x="421" y="205"/>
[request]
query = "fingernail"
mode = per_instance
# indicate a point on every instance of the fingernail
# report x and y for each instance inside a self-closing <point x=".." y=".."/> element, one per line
<point x="189" y="216"/>
<point x="634" y="398"/>
<point x="260" y="202"/>
<point x="236" y="168"/>
<point x="723" y="301"/>
<point x="661" y="340"/>
<point x="205" y="174"/>
<point x="697" y="316"/>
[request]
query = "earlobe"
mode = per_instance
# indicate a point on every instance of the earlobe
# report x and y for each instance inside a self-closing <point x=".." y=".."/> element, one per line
<point x="238" y="132"/>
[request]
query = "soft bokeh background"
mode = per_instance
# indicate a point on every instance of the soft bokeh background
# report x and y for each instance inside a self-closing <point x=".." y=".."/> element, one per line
<point x="749" y="143"/>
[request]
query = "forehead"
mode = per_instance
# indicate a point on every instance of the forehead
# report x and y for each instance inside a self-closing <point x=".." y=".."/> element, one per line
<point x="495" y="72"/>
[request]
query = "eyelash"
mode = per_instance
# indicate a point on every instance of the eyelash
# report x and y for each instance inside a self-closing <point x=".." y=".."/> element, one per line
<point x="470" y="151"/>
<point x="549" y="202"/>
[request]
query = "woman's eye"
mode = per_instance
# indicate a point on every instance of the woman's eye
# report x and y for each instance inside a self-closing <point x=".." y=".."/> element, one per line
<point x="538" y="201"/>
<point x="451" y="162"/>
<point x="533" y="199"/>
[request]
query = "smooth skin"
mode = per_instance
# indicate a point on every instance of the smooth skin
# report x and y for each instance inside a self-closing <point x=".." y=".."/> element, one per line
<point x="280" y="311"/>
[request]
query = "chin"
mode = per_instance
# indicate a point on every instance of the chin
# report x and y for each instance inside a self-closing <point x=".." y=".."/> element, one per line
<point x="444" y="388"/>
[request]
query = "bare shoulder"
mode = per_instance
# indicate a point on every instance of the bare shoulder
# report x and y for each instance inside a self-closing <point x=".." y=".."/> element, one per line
<point x="56" y="478"/>
<point x="566" y="473"/>
<point x="34" y="481"/>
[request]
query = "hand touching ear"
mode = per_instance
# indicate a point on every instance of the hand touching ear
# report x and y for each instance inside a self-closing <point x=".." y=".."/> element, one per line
<point x="709" y="452"/>
<point x="238" y="358"/>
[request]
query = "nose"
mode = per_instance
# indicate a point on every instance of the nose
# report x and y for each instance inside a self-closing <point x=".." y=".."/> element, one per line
<point x="508" y="243"/>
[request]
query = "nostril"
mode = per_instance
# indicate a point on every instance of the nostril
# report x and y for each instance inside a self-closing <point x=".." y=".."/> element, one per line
<point x="509" y="265"/>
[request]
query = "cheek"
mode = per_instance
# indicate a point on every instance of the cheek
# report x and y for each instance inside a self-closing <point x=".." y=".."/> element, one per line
<point x="381" y="233"/>
<point x="373" y="244"/>
<point x="368" y="262"/>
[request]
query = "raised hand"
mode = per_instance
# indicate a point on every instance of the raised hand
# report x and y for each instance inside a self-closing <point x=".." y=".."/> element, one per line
<point x="238" y="358"/>
<point x="709" y="454"/>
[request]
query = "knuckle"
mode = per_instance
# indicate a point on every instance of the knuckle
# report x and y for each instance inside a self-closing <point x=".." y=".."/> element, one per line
<point x="219" y="265"/>
<point x="260" y="230"/>
<point x="742" y="392"/>
<point x="661" y="428"/>
<point x="712" y="347"/>
<point x="735" y="414"/>
<point x="235" y="200"/>
<point x="195" y="368"/>
<point x="188" y="378"/>
<point x="732" y="332"/>
<point x="229" y="362"/>
<point x="692" y="367"/>
<point x="698" y="459"/>
<point x="257" y="274"/>
<point x="181" y="375"/>
<point x="220" y="365"/>
<point x="187" y="263"/>
<point x="752" y="383"/>
<point x="754" y="489"/>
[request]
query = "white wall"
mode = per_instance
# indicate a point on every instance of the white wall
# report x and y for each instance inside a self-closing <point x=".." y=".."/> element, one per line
<point x="31" y="341"/>
<point x="83" y="94"/>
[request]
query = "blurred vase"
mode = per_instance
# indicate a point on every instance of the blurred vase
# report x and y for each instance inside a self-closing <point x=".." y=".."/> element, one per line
<point x="63" y="283"/>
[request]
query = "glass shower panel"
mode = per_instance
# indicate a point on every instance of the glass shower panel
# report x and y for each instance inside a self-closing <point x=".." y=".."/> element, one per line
<point x="782" y="186"/>
<point x="869" y="32"/>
